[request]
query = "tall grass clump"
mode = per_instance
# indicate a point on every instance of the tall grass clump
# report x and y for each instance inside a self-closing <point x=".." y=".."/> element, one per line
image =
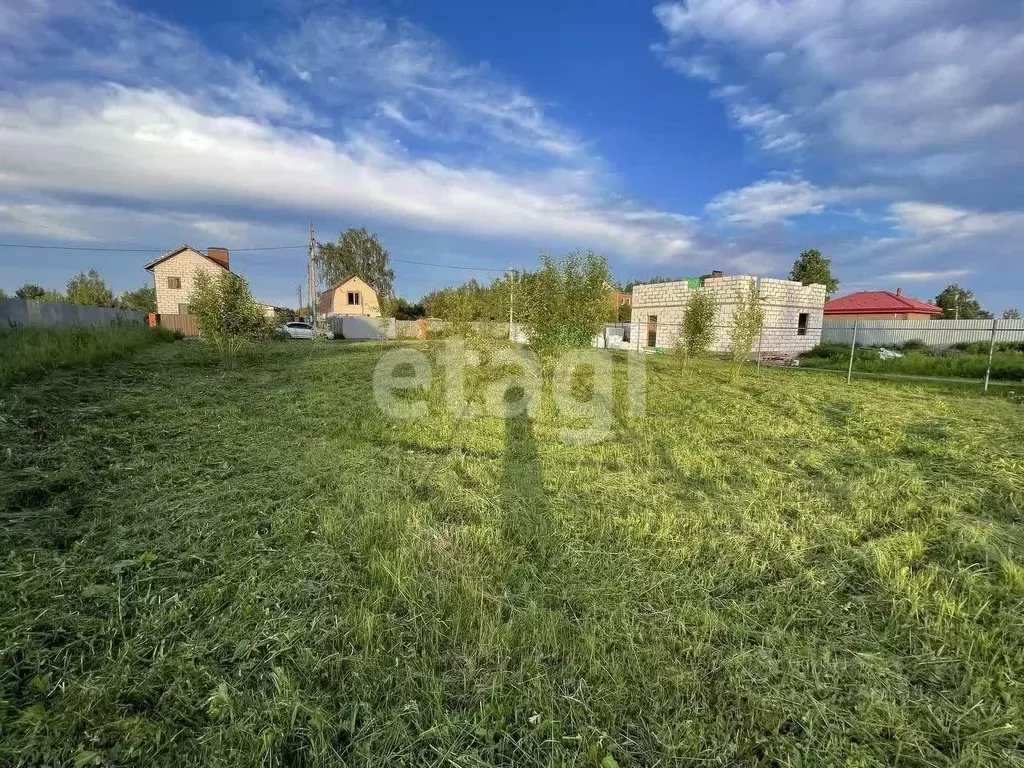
<point x="27" y="350"/>
<point x="958" y="362"/>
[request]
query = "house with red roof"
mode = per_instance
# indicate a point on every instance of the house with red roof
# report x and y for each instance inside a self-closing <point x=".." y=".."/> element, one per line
<point x="879" y="305"/>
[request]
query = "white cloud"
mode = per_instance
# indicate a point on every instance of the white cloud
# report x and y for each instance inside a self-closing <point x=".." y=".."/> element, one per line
<point x="401" y="73"/>
<point x="106" y="225"/>
<point x="756" y="263"/>
<point x="102" y="100"/>
<point x="767" y="201"/>
<point x="931" y="220"/>
<point x="103" y="41"/>
<point x="695" y="66"/>
<point x="29" y="218"/>
<point x="779" y="199"/>
<point x="157" y="147"/>
<point x="914" y="79"/>
<point x="775" y="129"/>
<point x="925" y="276"/>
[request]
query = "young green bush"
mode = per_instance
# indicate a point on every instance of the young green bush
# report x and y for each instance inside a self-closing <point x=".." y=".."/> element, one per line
<point x="227" y="315"/>
<point x="747" y="322"/>
<point x="565" y="303"/>
<point x="698" y="329"/>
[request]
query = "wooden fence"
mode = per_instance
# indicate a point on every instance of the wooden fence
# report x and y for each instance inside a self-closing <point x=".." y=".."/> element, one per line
<point x="184" y="323"/>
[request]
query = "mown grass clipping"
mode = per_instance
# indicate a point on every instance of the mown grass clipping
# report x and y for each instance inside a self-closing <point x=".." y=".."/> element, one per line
<point x="255" y="567"/>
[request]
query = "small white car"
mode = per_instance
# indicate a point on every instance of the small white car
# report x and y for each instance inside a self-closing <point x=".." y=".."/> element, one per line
<point x="299" y="330"/>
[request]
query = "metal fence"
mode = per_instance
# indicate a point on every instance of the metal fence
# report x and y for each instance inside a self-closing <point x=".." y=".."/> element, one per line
<point x="985" y="352"/>
<point x="57" y="313"/>
<point x="922" y="351"/>
<point x="935" y="333"/>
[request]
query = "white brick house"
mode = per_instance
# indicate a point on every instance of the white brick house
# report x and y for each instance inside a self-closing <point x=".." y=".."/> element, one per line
<point x="174" y="275"/>
<point x="793" y="312"/>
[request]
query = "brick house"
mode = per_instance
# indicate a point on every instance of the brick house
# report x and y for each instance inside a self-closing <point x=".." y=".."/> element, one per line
<point x="620" y="298"/>
<point x="174" y="275"/>
<point x="351" y="296"/>
<point x="879" y="305"/>
<point x="793" y="312"/>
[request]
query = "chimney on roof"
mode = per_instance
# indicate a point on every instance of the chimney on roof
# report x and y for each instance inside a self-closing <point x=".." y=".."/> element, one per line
<point x="899" y="291"/>
<point x="220" y="255"/>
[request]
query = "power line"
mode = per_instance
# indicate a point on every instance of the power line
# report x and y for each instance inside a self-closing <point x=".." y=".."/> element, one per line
<point x="442" y="266"/>
<point x="451" y="266"/>
<point x="140" y="250"/>
<point x="102" y="249"/>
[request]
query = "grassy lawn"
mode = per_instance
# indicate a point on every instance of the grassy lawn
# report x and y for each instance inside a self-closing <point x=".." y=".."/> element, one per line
<point x="26" y="352"/>
<point x="255" y="567"/>
<point x="968" y="363"/>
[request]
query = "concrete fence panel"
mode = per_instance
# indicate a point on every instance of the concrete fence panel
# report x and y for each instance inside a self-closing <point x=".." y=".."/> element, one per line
<point x="360" y="327"/>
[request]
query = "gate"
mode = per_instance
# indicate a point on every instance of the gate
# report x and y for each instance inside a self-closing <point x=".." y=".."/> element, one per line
<point x="186" y="324"/>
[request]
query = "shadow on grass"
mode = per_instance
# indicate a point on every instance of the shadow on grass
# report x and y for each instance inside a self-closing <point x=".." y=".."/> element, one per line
<point x="526" y="523"/>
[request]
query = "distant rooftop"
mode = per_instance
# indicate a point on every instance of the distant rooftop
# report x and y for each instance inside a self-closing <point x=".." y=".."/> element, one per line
<point x="881" y="303"/>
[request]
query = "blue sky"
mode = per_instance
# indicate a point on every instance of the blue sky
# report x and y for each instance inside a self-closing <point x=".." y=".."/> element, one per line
<point x="674" y="137"/>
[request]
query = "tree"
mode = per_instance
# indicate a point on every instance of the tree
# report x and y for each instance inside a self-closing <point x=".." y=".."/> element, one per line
<point x="470" y="301"/>
<point x="1011" y="314"/>
<point x="747" y="322"/>
<point x="357" y="252"/>
<point x="405" y="311"/>
<point x="3" y="294"/>
<point x="227" y="315"/>
<point x="959" y="304"/>
<point x="31" y="292"/>
<point x="564" y="303"/>
<point x="142" y="300"/>
<point x="698" y="330"/>
<point x="90" y="290"/>
<point x="812" y="268"/>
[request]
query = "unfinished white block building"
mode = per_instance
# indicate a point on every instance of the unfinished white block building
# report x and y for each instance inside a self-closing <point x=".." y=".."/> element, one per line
<point x="793" y="313"/>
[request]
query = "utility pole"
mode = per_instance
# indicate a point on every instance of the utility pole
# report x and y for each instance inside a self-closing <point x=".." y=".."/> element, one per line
<point x="311" y="275"/>
<point x="298" y="307"/>
<point x="991" y="352"/>
<point x="511" y="302"/>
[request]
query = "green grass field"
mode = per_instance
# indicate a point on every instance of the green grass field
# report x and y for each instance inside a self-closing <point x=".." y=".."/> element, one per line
<point x="969" y="363"/>
<point x="28" y="352"/>
<point x="255" y="567"/>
